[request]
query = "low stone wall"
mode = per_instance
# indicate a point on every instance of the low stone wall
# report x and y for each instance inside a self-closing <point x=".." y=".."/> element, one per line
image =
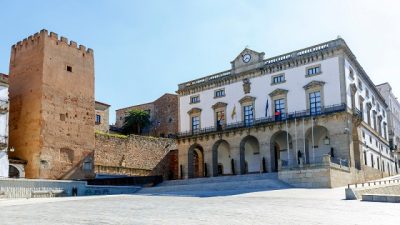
<point x="377" y="187"/>
<point x="381" y="198"/>
<point x="307" y="177"/>
<point x="26" y="188"/>
<point x="134" y="155"/>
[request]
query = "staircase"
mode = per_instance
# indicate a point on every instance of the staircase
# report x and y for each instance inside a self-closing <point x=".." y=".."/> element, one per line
<point x="217" y="186"/>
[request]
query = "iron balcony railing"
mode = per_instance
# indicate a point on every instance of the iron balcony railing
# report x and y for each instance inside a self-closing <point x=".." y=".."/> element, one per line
<point x="266" y="120"/>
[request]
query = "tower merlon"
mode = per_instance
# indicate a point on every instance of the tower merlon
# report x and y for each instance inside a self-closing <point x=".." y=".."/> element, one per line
<point x="73" y="44"/>
<point x="54" y="36"/>
<point x="64" y="40"/>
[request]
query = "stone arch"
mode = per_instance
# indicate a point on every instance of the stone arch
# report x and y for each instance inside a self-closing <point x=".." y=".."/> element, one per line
<point x="321" y="146"/>
<point x="279" y="147"/>
<point x="196" y="161"/>
<point x="221" y="155"/>
<point x="250" y="161"/>
<point x="14" y="171"/>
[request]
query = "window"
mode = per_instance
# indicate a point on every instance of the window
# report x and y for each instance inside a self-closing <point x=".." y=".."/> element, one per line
<point x="372" y="161"/>
<point x="363" y="134"/>
<point x="278" y="79"/>
<point x="280" y="111"/>
<point x="367" y="93"/>
<point x="383" y="113"/>
<point x="315" y="102"/>
<point x="370" y="139"/>
<point x="69" y="69"/>
<point x="195" y="123"/>
<point x="313" y="70"/>
<point x="248" y="114"/>
<point x="195" y="99"/>
<point x="220" y="117"/>
<point x="373" y="100"/>
<point x="219" y="93"/>
<point x="378" y="107"/>
<point x="351" y="73"/>
<point x="360" y="85"/>
<point x="365" y="158"/>
<point x="170" y="120"/>
<point x="87" y="164"/>
<point x="98" y="119"/>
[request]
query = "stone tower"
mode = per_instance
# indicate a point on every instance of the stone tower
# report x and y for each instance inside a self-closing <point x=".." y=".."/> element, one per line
<point x="52" y="106"/>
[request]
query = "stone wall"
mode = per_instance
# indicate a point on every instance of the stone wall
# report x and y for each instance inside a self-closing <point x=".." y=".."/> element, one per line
<point x="163" y="116"/>
<point x="24" y="188"/>
<point x="135" y="155"/>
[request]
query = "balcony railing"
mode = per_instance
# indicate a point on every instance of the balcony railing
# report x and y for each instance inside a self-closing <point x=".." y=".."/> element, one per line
<point x="266" y="120"/>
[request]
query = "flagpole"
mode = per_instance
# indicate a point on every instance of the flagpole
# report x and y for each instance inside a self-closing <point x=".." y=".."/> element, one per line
<point x="295" y="135"/>
<point x="287" y="143"/>
<point x="312" y="138"/>
<point x="304" y="144"/>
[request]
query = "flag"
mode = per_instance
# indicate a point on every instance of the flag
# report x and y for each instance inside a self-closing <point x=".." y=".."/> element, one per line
<point x="233" y="112"/>
<point x="266" y="109"/>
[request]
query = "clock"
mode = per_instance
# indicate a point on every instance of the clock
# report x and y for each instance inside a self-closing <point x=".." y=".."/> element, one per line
<point x="246" y="58"/>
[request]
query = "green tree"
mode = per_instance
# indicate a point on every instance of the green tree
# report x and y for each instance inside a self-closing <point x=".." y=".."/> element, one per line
<point x="135" y="121"/>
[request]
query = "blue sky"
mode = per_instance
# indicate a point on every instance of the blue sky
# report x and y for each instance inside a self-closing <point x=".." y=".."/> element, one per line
<point x="146" y="48"/>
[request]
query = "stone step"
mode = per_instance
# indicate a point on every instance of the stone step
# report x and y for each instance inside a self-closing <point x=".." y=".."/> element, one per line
<point x="245" y="185"/>
<point x="203" y="180"/>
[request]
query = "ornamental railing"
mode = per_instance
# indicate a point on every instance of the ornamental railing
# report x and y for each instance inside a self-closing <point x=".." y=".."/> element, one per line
<point x="267" y="62"/>
<point x="267" y="120"/>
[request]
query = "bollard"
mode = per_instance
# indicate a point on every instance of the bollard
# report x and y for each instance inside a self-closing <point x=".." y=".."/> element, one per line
<point x="369" y="184"/>
<point x="362" y="184"/>
<point x="348" y="186"/>
<point x="356" y="185"/>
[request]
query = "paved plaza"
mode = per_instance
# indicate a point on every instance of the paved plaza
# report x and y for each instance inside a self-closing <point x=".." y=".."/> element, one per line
<point x="286" y="206"/>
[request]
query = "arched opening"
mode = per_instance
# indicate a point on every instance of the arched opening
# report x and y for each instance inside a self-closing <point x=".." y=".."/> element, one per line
<point x="221" y="158"/>
<point x="196" y="161"/>
<point x="280" y="143"/>
<point x="317" y="144"/>
<point x="13" y="172"/>
<point x="250" y="161"/>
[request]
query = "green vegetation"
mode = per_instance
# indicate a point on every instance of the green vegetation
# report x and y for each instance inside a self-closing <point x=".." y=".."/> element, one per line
<point x="111" y="135"/>
<point x="135" y="121"/>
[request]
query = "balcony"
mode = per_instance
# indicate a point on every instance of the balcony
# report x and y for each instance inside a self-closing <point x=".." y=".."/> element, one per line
<point x="266" y="120"/>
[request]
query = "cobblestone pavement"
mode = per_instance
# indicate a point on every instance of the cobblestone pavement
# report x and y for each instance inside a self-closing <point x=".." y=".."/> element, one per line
<point x="290" y="206"/>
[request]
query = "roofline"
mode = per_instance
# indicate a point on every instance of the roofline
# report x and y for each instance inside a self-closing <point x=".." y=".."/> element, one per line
<point x="102" y="103"/>
<point x="146" y="103"/>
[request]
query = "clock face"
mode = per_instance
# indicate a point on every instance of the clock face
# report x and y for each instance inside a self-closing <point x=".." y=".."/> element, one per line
<point x="246" y="58"/>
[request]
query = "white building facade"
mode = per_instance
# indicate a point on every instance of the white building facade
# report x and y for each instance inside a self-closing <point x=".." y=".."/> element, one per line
<point x="315" y="107"/>
<point x="393" y="114"/>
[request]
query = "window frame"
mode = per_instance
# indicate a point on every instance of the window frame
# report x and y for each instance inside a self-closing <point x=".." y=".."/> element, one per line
<point x="194" y="97"/>
<point x="277" y="76"/>
<point x="221" y="90"/>
<point x="317" y="68"/>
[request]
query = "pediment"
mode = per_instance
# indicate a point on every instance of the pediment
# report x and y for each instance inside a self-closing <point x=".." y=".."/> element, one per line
<point x="247" y="99"/>
<point x="278" y="91"/>
<point x="219" y="105"/>
<point x="314" y="84"/>
<point x="194" y="110"/>
<point x="247" y="57"/>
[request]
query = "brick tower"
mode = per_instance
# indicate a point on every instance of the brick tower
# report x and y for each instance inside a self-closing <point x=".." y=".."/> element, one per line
<point x="52" y="106"/>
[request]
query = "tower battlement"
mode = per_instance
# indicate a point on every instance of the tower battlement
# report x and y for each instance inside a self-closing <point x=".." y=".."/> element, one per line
<point x="35" y="39"/>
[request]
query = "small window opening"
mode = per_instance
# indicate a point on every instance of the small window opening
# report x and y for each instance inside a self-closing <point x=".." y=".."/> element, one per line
<point x="69" y="69"/>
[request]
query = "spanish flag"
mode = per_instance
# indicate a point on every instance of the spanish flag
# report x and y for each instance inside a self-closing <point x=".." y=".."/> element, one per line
<point x="233" y="112"/>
